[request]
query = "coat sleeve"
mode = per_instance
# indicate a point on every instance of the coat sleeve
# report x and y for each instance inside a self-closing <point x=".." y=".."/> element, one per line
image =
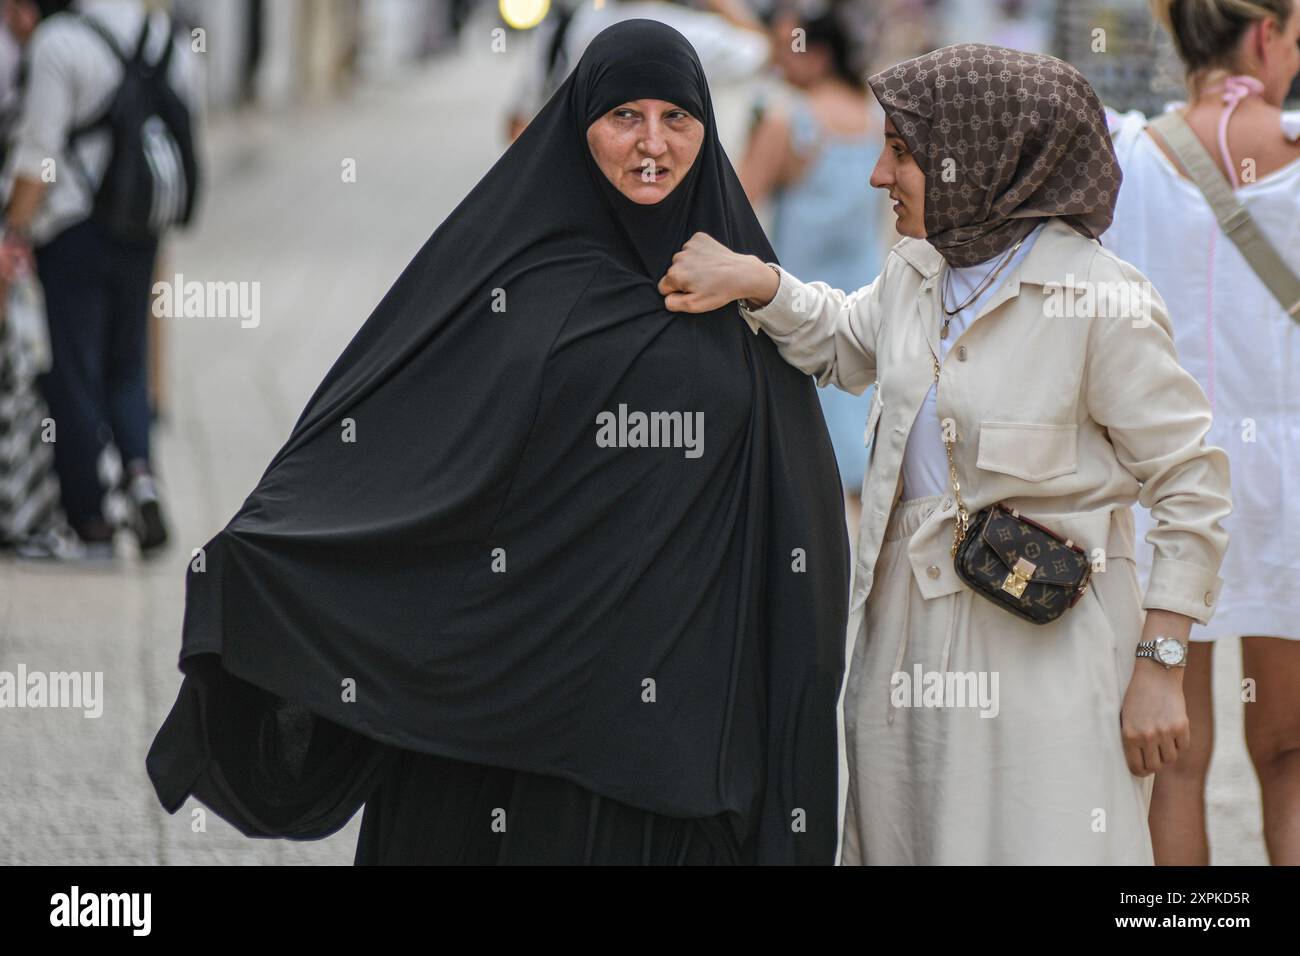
<point x="825" y="332"/>
<point x="1157" y="417"/>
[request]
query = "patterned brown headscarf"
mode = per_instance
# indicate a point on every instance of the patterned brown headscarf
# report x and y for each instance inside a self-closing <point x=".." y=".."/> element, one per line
<point x="1027" y="138"/>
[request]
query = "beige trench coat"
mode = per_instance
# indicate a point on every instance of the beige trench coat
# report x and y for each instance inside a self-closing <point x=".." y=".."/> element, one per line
<point x="1067" y="417"/>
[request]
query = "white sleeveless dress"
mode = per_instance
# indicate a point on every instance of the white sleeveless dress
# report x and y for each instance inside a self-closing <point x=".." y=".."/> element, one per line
<point x="1244" y="350"/>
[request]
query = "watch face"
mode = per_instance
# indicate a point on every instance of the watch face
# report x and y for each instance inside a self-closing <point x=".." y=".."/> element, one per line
<point x="1169" y="652"/>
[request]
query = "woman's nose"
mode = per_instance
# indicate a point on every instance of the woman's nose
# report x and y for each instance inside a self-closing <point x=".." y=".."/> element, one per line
<point x="881" y="177"/>
<point x="652" y="140"/>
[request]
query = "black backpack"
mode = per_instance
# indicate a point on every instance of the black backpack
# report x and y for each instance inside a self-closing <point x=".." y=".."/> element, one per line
<point x="152" y="176"/>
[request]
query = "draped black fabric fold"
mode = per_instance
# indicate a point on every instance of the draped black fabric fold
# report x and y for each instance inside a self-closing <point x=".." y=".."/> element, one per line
<point x="446" y="558"/>
<point x="426" y="811"/>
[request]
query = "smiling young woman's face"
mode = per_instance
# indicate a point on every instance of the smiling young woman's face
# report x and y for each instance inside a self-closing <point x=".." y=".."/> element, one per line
<point x="898" y="172"/>
<point x="645" y="147"/>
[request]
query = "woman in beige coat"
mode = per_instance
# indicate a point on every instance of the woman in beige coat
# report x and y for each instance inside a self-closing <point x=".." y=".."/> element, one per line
<point x="1001" y="331"/>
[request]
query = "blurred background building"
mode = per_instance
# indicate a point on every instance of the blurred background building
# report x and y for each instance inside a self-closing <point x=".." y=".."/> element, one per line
<point x="276" y="52"/>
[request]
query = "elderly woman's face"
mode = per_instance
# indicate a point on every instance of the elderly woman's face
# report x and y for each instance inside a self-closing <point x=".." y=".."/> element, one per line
<point x="898" y="172"/>
<point x="645" y="147"/>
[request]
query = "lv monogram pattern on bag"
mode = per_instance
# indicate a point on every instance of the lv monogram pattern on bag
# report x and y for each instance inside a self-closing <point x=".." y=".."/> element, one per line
<point x="1021" y="566"/>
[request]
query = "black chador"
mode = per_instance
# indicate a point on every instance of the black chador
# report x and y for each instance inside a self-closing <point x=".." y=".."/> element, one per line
<point x="445" y="599"/>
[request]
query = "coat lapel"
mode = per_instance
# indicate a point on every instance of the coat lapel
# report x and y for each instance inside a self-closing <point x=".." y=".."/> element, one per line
<point x="1045" y="262"/>
<point x="923" y="257"/>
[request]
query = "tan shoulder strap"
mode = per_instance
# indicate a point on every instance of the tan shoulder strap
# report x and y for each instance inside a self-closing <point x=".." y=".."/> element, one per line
<point x="1233" y="217"/>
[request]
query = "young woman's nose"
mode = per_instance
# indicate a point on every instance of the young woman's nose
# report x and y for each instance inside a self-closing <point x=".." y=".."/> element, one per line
<point x="882" y="177"/>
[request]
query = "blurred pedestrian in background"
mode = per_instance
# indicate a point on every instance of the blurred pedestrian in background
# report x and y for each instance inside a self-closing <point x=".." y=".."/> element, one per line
<point x="1235" y="336"/>
<point x="74" y="155"/>
<point x="19" y="20"/>
<point x="31" y="522"/>
<point x="810" y="155"/>
<point x="730" y="40"/>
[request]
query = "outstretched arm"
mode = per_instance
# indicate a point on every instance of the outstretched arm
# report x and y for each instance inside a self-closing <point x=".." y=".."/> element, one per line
<point x="820" y="330"/>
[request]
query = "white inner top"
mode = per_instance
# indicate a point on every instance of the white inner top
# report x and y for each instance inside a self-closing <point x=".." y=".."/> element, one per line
<point x="925" y="461"/>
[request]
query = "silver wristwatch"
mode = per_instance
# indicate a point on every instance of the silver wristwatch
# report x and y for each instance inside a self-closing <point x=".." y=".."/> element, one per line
<point x="1164" y="650"/>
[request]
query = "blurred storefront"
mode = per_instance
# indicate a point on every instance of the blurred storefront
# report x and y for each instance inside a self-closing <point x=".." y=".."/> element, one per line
<point x="277" y="52"/>
<point x="1123" y="52"/>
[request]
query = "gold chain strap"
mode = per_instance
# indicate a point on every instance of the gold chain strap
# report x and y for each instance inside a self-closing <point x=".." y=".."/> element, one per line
<point x="963" y="517"/>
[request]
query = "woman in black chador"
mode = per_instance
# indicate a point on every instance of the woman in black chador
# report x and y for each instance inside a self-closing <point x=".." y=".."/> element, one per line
<point x="484" y="590"/>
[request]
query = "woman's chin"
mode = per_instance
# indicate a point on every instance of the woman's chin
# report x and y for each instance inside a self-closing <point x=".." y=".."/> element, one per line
<point x="905" y="228"/>
<point x="647" y="194"/>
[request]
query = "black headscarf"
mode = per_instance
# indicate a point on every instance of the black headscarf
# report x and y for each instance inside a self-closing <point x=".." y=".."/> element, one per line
<point x="474" y="576"/>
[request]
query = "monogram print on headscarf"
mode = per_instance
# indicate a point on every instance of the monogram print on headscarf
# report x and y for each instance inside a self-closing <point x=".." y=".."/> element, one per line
<point x="1005" y="139"/>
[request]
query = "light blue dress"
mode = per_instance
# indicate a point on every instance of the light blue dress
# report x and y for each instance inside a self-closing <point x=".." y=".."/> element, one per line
<point x="827" y="227"/>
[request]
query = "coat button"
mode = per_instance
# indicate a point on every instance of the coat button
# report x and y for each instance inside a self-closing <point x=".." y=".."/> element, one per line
<point x="933" y="570"/>
<point x="1209" y="599"/>
<point x="961" y="353"/>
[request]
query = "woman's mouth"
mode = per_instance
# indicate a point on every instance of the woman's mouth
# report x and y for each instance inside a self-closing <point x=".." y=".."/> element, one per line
<point x="656" y="175"/>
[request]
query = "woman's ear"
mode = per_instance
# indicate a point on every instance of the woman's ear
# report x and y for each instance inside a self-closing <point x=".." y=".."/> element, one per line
<point x="1265" y="32"/>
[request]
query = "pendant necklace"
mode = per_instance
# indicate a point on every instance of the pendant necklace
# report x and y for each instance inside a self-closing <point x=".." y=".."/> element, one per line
<point x="980" y="290"/>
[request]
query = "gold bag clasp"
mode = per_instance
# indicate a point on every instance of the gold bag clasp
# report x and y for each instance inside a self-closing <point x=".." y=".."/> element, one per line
<point x="1019" y="577"/>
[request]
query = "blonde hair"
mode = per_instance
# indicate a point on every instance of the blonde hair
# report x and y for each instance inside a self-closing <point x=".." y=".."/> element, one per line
<point x="1205" y="32"/>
